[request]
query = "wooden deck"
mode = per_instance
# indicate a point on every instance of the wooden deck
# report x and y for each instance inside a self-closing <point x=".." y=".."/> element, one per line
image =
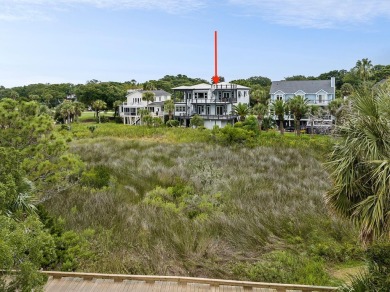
<point x="61" y="281"/>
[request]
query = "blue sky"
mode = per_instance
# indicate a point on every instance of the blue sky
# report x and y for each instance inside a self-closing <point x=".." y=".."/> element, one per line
<point x="56" y="41"/>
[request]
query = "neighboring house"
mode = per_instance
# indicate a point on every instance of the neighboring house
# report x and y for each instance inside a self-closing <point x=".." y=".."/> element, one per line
<point x="129" y="110"/>
<point x="317" y="92"/>
<point x="214" y="103"/>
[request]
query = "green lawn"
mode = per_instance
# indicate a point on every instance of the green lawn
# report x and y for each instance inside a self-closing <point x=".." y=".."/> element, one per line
<point x="89" y="116"/>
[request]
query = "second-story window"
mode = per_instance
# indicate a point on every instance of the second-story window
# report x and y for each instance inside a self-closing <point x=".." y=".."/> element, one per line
<point x="279" y="97"/>
<point x="180" y="108"/>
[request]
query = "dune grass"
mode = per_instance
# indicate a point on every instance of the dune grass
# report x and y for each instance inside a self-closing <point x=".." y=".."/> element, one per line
<point x="173" y="206"/>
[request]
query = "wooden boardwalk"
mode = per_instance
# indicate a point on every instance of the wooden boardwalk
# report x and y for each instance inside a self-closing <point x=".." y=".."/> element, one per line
<point x="64" y="282"/>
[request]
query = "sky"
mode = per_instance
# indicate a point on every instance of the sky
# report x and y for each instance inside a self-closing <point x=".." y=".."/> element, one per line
<point x="61" y="41"/>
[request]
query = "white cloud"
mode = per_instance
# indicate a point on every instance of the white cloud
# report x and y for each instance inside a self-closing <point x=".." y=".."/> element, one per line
<point x="38" y="9"/>
<point x="317" y="13"/>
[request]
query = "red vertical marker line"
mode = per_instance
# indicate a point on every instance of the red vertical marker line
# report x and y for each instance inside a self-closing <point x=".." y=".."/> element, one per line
<point x="215" y="77"/>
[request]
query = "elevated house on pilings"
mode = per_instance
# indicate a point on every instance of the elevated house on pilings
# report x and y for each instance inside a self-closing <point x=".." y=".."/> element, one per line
<point x="130" y="110"/>
<point x="214" y="103"/>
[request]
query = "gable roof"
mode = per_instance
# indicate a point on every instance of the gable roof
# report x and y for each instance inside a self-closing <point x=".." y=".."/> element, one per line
<point x="156" y="92"/>
<point x="308" y="86"/>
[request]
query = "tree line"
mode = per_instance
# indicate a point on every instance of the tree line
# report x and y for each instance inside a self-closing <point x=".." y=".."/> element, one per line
<point x="109" y="92"/>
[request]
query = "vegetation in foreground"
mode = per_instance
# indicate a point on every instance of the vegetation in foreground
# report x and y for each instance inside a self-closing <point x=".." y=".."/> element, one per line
<point x="208" y="210"/>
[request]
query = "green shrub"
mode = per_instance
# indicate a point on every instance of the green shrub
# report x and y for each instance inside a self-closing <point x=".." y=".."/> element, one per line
<point x="118" y="120"/>
<point x="232" y="135"/>
<point x="157" y="122"/>
<point x="285" y="267"/>
<point x="183" y="199"/>
<point x="196" y="121"/>
<point x="72" y="249"/>
<point x="377" y="278"/>
<point x="103" y="119"/>
<point x="251" y="124"/>
<point x="172" y="123"/>
<point x="97" y="177"/>
<point x="65" y="127"/>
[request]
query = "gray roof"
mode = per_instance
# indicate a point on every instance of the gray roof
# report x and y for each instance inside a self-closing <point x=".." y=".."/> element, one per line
<point x="156" y="92"/>
<point x="307" y="86"/>
<point x="156" y="103"/>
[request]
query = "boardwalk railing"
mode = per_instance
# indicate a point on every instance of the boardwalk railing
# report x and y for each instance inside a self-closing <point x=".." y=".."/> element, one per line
<point x="188" y="280"/>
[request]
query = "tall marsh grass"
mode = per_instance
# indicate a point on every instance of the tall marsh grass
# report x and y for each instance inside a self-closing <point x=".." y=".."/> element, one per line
<point x="269" y="199"/>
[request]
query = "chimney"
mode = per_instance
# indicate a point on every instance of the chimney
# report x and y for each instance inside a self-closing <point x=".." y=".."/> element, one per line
<point x="332" y="82"/>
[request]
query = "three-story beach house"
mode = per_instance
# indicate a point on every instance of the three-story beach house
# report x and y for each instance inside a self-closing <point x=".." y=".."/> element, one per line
<point x="214" y="103"/>
<point x="317" y="92"/>
<point x="130" y="110"/>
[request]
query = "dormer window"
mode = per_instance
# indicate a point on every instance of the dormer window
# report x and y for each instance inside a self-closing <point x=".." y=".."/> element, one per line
<point x="279" y="97"/>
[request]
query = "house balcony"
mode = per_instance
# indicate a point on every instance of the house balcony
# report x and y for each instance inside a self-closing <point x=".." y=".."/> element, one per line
<point x="133" y="114"/>
<point x="323" y="102"/>
<point x="212" y="100"/>
<point x="205" y="117"/>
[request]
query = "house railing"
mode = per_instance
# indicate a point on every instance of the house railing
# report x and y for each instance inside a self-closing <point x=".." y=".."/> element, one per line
<point x="213" y="100"/>
<point x="153" y="114"/>
<point x="320" y="102"/>
<point x="207" y="117"/>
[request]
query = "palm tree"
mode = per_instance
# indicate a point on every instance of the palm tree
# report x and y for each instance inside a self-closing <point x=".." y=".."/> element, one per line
<point x="314" y="111"/>
<point x="148" y="96"/>
<point x="79" y="107"/>
<point x="279" y="108"/>
<point x="360" y="167"/>
<point x="66" y="110"/>
<point x="335" y="108"/>
<point x="241" y="110"/>
<point x="99" y="105"/>
<point x="116" y="106"/>
<point x="143" y="112"/>
<point x="364" y="69"/>
<point x="169" y="106"/>
<point x="298" y="107"/>
<point x="260" y="95"/>
<point x="346" y="90"/>
<point x="260" y="110"/>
